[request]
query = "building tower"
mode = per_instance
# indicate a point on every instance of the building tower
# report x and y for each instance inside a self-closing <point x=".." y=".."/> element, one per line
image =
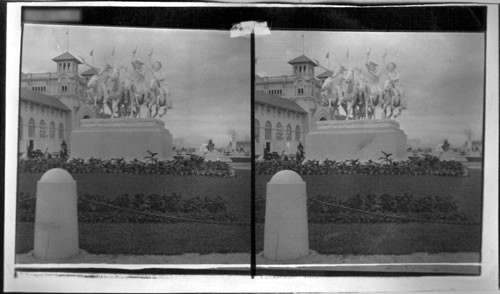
<point x="67" y="63"/>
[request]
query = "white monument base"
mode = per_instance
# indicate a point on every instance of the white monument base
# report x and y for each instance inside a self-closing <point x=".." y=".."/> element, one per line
<point x="356" y="139"/>
<point x="127" y="138"/>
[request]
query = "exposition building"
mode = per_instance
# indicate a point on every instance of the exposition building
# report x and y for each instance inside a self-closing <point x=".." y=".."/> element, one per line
<point x="287" y="107"/>
<point x="52" y="104"/>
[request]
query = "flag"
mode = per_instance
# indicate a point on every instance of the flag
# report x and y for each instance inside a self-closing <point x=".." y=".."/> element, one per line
<point x="256" y="60"/>
<point x="135" y="51"/>
<point x="151" y="53"/>
<point x="347" y="54"/>
<point x="91" y="52"/>
<point x="113" y="52"/>
<point x="327" y="56"/>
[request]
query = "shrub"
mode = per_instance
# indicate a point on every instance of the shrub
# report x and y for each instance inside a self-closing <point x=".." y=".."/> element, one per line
<point x="195" y="166"/>
<point x="415" y="166"/>
<point x="149" y="208"/>
<point x="377" y="208"/>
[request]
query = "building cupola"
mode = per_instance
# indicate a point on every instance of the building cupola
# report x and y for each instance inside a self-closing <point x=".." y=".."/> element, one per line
<point x="67" y="63"/>
<point x="302" y="66"/>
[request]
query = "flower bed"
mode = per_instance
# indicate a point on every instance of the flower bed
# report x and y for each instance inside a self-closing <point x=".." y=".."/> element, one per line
<point x="151" y="207"/>
<point x="195" y="165"/>
<point x="377" y="208"/>
<point x="415" y="166"/>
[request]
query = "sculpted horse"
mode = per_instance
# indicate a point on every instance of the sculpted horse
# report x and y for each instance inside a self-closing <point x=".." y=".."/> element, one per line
<point x="360" y="104"/>
<point x="159" y="103"/>
<point x="97" y="89"/>
<point x="353" y="92"/>
<point x="330" y="96"/>
<point x="393" y="100"/>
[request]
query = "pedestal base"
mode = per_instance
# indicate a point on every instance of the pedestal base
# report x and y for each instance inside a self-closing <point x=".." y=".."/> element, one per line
<point x="356" y="139"/>
<point x="126" y="138"/>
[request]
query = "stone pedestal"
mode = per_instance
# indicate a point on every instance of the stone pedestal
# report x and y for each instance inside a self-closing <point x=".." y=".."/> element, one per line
<point x="56" y="219"/>
<point x="127" y="138"/>
<point x="286" y="232"/>
<point x="356" y="139"/>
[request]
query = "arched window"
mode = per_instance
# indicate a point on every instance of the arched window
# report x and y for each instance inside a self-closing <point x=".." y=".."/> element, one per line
<point x="43" y="129"/>
<point x="322" y="118"/>
<point x="52" y="130"/>
<point x="288" y="132"/>
<point x="31" y="128"/>
<point x="257" y="130"/>
<point x="279" y="131"/>
<point x="268" y="130"/>
<point x="21" y="127"/>
<point x="61" y="131"/>
<point x="297" y="133"/>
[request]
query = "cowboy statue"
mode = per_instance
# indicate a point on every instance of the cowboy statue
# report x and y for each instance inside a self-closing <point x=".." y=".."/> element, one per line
<point x="97" y="87"/>
<point x="160" y="90"/>
<point x="331" y="90"/>
<point x="393" y="89"/>
<point x="121" y="91"/>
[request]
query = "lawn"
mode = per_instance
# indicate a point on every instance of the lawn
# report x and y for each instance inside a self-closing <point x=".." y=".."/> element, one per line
<point x="167" y="239"/>
<point x="392" y="238"/>
<point x="151" y="239"/>
<point x="235" y="190"/>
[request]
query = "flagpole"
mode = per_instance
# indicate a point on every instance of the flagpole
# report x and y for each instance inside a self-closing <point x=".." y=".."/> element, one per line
<point x="302" y="43"/>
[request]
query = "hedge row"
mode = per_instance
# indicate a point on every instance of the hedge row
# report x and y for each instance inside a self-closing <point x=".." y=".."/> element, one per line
<point x="207" y="208"/>
<point x="379" y="208"/>
<point x="194" y="165"/>
<point x="415" y="166"/>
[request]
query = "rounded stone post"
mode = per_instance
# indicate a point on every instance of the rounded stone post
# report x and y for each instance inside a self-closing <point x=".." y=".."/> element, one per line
<point x="286" y="234"/>
<point x="56" y="219"/>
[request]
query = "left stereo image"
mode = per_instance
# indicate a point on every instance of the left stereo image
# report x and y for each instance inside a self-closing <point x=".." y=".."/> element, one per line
<point x="133" y="147"/>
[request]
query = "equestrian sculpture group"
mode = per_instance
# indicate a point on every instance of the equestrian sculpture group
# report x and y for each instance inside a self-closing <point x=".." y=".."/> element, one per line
<point x="121" y="91"/>
<point x="359" y="92"/>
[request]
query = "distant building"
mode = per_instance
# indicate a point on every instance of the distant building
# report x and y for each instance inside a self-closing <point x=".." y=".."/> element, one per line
<point x="44" y="122"/>
<point x="280" y="124"/>
<point x="288" y="106"/>
<point x="52" y="105"/>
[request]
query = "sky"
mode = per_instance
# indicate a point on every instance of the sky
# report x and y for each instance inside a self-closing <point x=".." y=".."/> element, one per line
<point x="208" y="72"/>
<point x="441" y="73"/>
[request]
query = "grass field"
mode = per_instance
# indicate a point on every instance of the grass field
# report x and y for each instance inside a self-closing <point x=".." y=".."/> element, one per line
<point x="465" y="190"/>
<point x="236" y="190"/>
<point x="168" y="239"/>
<point x="393" y="238"/>
<point x="363" y="239"/>
<point x="151" y="239"/>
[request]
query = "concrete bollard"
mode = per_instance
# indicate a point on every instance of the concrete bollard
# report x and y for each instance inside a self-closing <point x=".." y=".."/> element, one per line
<point x="56" y="219"/>
<point x="286" y="234"/>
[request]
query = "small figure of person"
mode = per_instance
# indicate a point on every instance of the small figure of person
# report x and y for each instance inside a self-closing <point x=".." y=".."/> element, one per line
<point x="283" y="156"/>
<point x="29" y="153"/>
<point x="299" y="156"/>
<point x="63" y="153"/>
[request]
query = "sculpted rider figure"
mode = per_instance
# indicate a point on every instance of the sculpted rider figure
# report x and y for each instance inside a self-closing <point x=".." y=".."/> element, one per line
<point x="159" y="86"/>
<point x="392" y="82"/>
